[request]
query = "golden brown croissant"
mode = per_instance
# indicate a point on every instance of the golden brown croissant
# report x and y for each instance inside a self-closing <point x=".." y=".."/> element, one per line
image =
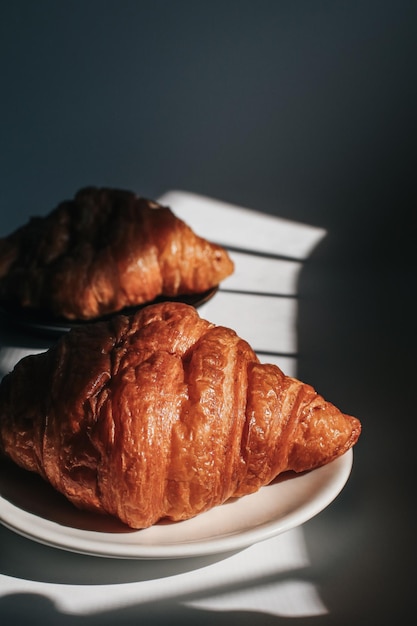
<point x="105" y="250"/>
<point x="162" y="415"/>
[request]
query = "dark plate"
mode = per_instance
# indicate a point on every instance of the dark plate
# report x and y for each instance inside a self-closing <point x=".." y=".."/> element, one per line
<point x="34" y="320"/>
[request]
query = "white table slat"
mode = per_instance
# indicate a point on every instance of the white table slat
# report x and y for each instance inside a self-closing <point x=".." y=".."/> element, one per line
<point x="243" y="228"/>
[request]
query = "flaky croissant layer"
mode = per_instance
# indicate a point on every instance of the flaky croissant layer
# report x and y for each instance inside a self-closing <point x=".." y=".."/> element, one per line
<point x="105" y="250"/>
<point x="162" y="415"/>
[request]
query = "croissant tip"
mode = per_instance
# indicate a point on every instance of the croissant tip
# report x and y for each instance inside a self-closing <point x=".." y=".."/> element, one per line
<point x="356" y="426"/>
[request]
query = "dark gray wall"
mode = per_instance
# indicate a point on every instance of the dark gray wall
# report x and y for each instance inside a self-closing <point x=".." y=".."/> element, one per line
<point x="302" y="108"/>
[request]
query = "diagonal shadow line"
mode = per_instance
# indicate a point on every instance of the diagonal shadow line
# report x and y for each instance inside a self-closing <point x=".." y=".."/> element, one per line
<point x="262" y="253"/>
<point x="268" y="294"/>
<point x="292" y="355"/>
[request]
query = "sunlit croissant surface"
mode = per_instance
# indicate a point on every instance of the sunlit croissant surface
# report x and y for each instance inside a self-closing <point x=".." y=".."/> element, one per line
<point x="102" y="251"/>
<point x="162" y="415"/>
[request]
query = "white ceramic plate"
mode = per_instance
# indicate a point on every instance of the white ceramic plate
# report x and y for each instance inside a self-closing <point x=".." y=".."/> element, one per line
<point x="32" y="508"/>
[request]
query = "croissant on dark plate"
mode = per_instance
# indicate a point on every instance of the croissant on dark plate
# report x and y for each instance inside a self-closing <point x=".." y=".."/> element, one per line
<point x="103" y="251"/>
<point x="162" y="415"/>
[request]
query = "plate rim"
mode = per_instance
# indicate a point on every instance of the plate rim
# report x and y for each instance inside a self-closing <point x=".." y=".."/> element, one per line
<point x="44" y="322"/>
<point x="51" y="533"/>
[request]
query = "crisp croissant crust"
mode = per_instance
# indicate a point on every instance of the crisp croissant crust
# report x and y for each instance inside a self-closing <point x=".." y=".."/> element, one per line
<point x="105" y="250"/>
<point x="162" y="415"/>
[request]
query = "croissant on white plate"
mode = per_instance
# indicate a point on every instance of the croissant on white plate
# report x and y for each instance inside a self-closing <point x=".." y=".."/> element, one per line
<point x="162" y="415"/>
<point x="105" y="250"/>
